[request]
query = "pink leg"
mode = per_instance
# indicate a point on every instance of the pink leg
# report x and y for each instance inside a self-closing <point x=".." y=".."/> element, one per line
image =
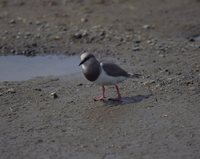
<point x="103" y="97"/>
<point x="118" y="93"/>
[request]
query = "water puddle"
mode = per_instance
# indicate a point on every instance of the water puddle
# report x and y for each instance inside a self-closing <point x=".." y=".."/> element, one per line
<point x="16" y="68"/>
<point x="195" y="38"/>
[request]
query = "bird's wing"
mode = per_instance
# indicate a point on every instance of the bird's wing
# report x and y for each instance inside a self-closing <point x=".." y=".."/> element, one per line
<point x="114" y="70"/>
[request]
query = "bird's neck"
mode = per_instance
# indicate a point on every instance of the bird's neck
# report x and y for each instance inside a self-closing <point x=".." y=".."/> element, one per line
<point x="91" y="69"/>
<point x="90" y="64"/>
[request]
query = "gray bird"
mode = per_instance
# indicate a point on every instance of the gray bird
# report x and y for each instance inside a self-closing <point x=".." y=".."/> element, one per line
<point x="102" y="73"/>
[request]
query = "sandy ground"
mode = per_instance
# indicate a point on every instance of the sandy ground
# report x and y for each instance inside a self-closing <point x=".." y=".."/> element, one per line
<point x="159" y="114"/>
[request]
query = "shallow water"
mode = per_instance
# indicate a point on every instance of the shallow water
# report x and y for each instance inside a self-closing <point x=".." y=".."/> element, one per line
<point x="197" y="38"/>
<point x="16" y="68"/>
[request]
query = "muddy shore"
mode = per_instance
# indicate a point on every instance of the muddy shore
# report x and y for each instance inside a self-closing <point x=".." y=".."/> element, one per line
<point x="159" y="113"/>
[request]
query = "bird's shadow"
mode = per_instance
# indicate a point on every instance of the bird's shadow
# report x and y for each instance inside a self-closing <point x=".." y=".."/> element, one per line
<point x="127" y="100"/>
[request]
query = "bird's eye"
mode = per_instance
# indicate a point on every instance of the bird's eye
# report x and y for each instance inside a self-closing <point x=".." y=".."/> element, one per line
<point x="87" y="58"/>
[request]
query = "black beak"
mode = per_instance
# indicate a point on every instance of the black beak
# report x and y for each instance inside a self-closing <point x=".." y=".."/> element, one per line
<point x="81" y="62"/>
<point x="84" y="60"/>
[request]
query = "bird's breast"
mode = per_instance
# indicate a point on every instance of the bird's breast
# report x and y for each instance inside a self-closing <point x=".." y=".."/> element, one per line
<point x="91" y="73"/>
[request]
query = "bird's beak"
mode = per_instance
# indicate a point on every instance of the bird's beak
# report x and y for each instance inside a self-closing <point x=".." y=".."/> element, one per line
<point x="81" y="62"/>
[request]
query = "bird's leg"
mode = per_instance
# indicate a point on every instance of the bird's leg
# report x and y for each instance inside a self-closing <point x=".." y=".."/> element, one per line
<point x="103" y="97"/>
<point x="118" y="93"/>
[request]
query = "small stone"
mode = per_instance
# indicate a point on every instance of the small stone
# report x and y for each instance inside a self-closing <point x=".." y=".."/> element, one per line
<point x="4" y="38"/>
<point x="39" y="141"/>
<point x="54" y="95"/>
<point x="102" y="33"/>
<point x="12" y="21"/>
<point x="83" y="146"/>
<point x="80" y="34"/>
<point x="169" y="79"/>
<point x="146" y="27"/>
<point x="137" y="41"/>
<point x="191" y="39"/>
<point x="136" y="48"/>
<point x="84" y="33"/>
<point x="28" y="34"/>
<point x="1" y="94"/>
<point x="70" y="102"/>
<point x="77" y="35"/>
<point x="53" y="3"/>
<point x="11" y="90"/>
<point x="34" y="44"/>
<point x="161" y="55"/>
<point x="12" y="51"/>
<point x="80" y="84"/>
<point x="149" y="82"/>
<point x="188" y="83"/>
<point x="22" y="3"/>
<point x="157" y="86"/>
<point x="37" y="35"/>
<point x="192" y="88"/>
<point x="164" y="115"/>
<point x="84" y="20"/>
<point x="57" y="38"/>
<point x="38" y="89"/>
<point x="19" y="19"/>
<point x="149" y="41"/>
<point x="38" y="22"/>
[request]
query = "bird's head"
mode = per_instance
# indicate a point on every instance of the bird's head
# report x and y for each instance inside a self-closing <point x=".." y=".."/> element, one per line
<point x="85" y="57"/>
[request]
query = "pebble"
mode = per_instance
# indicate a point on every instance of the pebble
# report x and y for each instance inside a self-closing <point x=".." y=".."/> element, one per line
<point x="54" y="95"/>
<point x="38" y="22"/>
<point x="38" y="89"/>
<point x="161" y="55"/>
<point x="146" y="27"/>
<point x="80" y="34"/>
<point x="34" y="45"/>
<point x="12" y="21"/>
<point x="102" y="33"/>
<point x="77" y="35"/>
<point x="39" y="141"/>
<point x="11" y="90"/>
<point x="149" y="82"/>
<point x="80" y="84"/>
<point x="12" y="51"/>
<point x="188" y="83"/>
<point x="28" y="34"/>
<point x="83" y="146"/>
<point x="192" y="88"/>
<point x="53" y="3"/>
<point x="57" y="38"/>
<point x="137" y="41"/>
<point x="157" y="86"/>
<point x="136" y="48"/>
<point x="84" y="20"/>
<point x="37" y="35"/>
<point x="164" y="115"/>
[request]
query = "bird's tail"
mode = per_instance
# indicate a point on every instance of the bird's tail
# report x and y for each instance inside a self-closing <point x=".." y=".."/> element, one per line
<point x="136" y="75"/>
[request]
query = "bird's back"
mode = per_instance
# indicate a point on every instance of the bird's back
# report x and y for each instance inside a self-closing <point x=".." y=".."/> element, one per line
<point x="114" y="70"/>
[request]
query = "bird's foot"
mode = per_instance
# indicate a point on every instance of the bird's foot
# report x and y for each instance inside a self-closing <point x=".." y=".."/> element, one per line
<point x="101" y="98"/>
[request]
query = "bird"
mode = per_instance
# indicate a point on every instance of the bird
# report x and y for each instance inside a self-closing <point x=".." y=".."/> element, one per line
<point x="103" y="74"/>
